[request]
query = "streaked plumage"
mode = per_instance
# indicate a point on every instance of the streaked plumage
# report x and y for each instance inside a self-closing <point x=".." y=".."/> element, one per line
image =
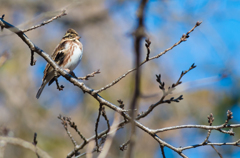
<point x="67" y="55"/>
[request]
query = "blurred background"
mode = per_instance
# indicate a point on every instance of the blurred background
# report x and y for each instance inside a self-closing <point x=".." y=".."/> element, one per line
<point x="105" y="27"/>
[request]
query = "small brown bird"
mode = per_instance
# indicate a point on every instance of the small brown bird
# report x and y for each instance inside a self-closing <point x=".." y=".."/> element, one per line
<point x="67" y="55"/>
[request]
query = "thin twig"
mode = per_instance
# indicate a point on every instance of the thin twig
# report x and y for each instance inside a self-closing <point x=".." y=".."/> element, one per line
<point x="182" y="74"/>
<point x="230" y="132"/>
<point x="35" y="139"/>
<point x="124" y="146"/>
<point x="74" y="126"/>
<point x="147" y="45"/>
<point x="89" y="75"/>
<point x="121" y="103"/>
<point x="219" y="154"/>
<point x="229" y="117"/>
<point x="64" y="123"/>
<point x="165" y="93"/>
<point x="63" y="12"/>
<point x="32" y="62"/>
<point x="94" y="150"/>
<point x="93" y="138"/>
<point x="182" y="39"/>
<point x="162" y="149"/>
<point x="210" y="121"/>
<point x="238" y="141"/>
<point x="35" y="143"/>
<point x="218" y="144"/>
<point x="105" y="117"/>
<point x="96" y="127"/>
<point x="208" y="135"/>
<point x="196" y="126"/>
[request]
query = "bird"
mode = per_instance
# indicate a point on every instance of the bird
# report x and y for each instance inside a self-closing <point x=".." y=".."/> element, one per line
<point x="67" y="55"/>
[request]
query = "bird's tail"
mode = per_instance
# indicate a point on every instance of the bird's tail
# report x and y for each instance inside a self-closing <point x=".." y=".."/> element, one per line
<point x="41" y="89"/>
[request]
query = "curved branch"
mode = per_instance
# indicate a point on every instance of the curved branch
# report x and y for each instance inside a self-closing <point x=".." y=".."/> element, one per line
<point x="25" y="144"/>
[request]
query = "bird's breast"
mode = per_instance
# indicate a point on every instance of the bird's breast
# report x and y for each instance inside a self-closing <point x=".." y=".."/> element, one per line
<point x="74" y="56"/>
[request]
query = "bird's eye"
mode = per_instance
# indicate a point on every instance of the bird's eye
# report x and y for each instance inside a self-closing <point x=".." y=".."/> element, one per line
<point x="70" y="35"/>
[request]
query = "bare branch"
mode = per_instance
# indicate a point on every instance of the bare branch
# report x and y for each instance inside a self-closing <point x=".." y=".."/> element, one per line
<point x="100" y="135"/>
<point x="182" y="74"/>
<point x="96" y="127"/>
<point x="208" y="135"/>
<point x="182" y="39"/>
<point x="25" y="144"/>
<point x="219" y="154"/>
<point x="210" y="119"/>
<point x="229" y="117"/>
<point x="89" y="75"/>
<point x="74" y="126"/>
<point x="105" y="117"/>
<point x="121" y="103"/>
<point x="124" y="146"/>
<point x="162" y="149"/>
<point x="35" y="139"/>
<point x="32" y="62"/>
<point x="147" y="45"/>
<point x="63" y="12"/>
<point x="165" y="93"/>
<point x="35" y="142"/>
<point x="197" y="126"/>
<point x="218" y="144"/>
<point x="64" y="123"/>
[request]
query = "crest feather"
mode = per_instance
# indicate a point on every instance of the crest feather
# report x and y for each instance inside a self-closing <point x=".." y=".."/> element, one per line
<point x="71" y="31"/>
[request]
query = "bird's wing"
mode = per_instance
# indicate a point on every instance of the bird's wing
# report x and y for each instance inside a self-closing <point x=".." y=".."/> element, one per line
<point x="57" y="56"/>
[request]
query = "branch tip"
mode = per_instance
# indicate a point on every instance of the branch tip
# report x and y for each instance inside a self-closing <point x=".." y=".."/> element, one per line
<point x="35" y="139"/>
<point x="121" y="103"/>
<point x="210" y="119"/>
<point x="198" y="23"/>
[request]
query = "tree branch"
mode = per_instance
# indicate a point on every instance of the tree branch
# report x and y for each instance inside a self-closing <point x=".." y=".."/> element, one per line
<point x="25" y="144"/>
<point x="182" y="39"/>
<point x="63" y="12"/>
<point x="64" y="123"/>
